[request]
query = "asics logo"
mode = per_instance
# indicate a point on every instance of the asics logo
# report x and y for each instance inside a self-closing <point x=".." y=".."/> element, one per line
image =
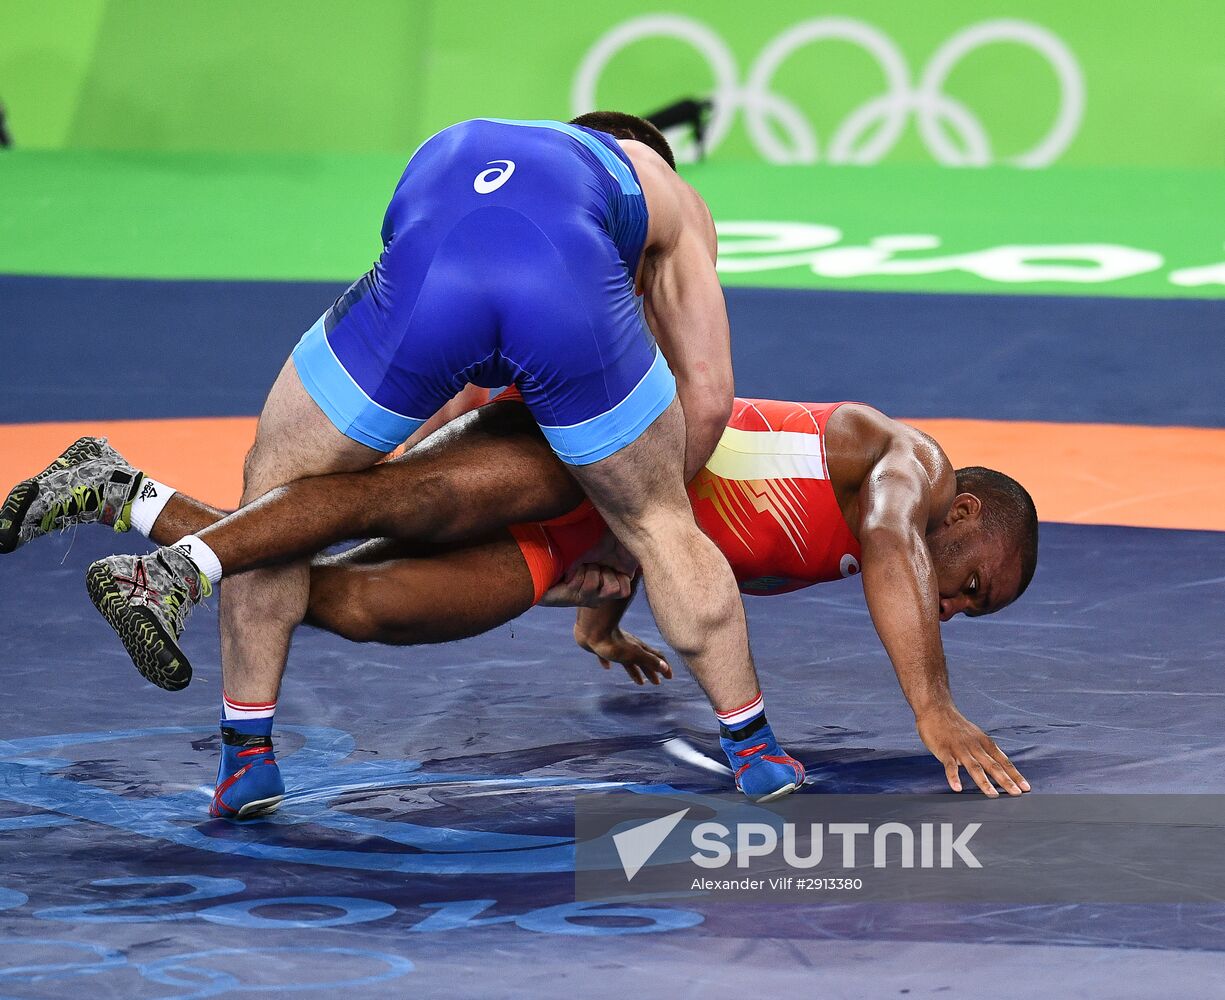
<point x="488" y="181"/>
<point x="781" y="131"/>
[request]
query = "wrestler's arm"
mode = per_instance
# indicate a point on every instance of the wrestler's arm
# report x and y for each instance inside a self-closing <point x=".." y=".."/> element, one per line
<point x="684" y="305"/>
<point x="898" y="578"/>
<point x="899" y="581"/>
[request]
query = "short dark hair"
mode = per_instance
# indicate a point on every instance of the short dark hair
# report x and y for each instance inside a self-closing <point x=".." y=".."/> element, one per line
<point x="1008" y="513"/>
<point x="623" y="126"/>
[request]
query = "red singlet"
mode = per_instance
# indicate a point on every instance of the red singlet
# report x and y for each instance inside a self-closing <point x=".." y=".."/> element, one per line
<point x="764" y="498"/>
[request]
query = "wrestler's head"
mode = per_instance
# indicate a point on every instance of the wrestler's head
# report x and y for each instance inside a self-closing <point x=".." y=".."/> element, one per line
<point x="622" y="126"/>
<point x="986" y="549"/>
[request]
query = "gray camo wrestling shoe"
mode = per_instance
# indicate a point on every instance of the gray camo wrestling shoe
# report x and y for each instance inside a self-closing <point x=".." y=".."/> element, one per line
<point x="90" y="483"/>
<point x="146" y="600"/>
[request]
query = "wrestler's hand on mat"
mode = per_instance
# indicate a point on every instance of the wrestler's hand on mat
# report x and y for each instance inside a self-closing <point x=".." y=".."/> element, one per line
<point x="643" y="663"/>
<point x="586" y="585"/>
<point x="956" y="742"/>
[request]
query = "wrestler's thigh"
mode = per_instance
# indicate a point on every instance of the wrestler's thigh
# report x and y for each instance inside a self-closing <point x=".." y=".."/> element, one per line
<point x="295" y="438"/>
<point x="375" y="593"/>
<point x="488" y="469"/>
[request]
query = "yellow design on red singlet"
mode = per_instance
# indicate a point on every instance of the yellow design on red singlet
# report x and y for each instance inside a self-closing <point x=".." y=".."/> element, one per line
<point x="766" y="499"/>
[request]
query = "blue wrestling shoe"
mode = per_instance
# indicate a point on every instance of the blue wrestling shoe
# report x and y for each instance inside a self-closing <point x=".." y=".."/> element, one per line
<point x="764" y="770"/>
<point x="249" y="783"/>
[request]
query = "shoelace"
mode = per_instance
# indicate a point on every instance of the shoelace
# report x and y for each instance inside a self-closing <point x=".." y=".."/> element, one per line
<point x="179" y="605"/>
<point x="76" y="504"/>
<point x="82" y="501"/>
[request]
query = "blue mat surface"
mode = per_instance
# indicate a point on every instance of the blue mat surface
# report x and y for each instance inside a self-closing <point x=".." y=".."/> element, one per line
<point x="420" y="852"/>
<point x="147" y="349"/>
<point x="434" y="858"/>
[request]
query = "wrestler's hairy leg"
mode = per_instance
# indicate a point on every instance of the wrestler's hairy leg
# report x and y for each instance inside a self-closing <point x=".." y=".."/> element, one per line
<point x="640" y="492"/>
<point x="259" y="611"/>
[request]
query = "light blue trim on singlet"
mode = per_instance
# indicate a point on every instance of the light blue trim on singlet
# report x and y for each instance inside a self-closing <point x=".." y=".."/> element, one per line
<point x="609" y="432"/>
<point x="610" y="160"/>
<point x="351" y="411"/>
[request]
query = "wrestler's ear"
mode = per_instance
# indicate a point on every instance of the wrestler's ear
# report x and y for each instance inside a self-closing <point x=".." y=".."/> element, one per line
<point x="966" y="507"/>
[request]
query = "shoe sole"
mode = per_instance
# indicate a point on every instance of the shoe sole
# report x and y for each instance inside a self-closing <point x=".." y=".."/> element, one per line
<point x="258" y="808"/>
<point x="17" y="503"/>
<point x="13" y="513"/>
<point x="785" y="790"/>
<point x="153" y="650"/>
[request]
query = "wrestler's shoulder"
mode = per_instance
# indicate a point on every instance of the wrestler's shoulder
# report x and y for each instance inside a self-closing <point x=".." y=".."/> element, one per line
<point x="676" y="208"/>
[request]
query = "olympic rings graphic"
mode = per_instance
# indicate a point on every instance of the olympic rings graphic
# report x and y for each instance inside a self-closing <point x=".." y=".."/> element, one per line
<point x="870" y="131"/>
